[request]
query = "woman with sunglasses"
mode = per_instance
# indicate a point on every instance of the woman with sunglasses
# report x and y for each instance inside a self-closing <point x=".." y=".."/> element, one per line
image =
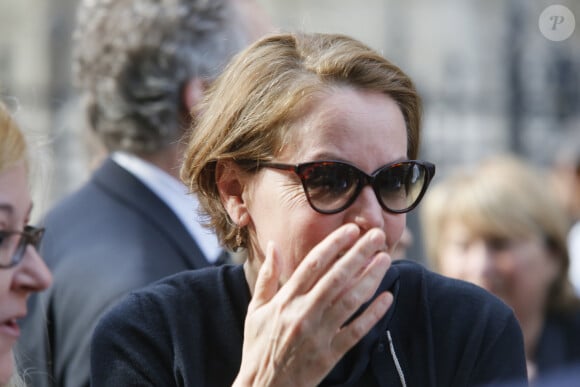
<point x="22" y="271"/>
<point x="304" y="157"/>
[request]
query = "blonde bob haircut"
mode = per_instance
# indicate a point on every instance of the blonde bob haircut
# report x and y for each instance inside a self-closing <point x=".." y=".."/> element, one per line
<point x="12" y="142"/>
<point x="503" y="197"/>
<point x="12" y="151"/>
<point x="249" y="110"/>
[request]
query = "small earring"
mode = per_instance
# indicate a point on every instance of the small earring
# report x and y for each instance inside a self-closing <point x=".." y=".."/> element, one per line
<point x="239" y="237"/>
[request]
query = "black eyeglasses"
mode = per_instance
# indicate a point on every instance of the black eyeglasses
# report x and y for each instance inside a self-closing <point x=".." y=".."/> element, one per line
<point x="13" y="245"/>
<point x="332" y="186"/>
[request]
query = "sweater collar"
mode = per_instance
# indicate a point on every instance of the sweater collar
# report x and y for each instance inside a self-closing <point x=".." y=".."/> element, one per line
<point x="351" y="369"/>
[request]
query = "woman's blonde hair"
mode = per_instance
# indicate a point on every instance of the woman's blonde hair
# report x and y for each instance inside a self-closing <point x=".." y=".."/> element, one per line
<point x="12" y="142"/>
<point x="503" y="197"/>
<point x="248" y="113"/>
<point x="12" y="151"/>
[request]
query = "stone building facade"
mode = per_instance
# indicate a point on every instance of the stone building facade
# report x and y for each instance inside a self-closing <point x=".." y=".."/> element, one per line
<point x="490" y="80"/>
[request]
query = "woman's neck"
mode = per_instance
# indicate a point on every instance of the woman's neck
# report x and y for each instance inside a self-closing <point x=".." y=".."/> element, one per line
<point x="251" y="269"/>
<point x="532" y="326"/>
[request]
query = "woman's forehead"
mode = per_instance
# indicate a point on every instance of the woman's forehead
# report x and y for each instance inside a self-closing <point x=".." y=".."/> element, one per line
<point x="14" y="194"/>
<point x="348" y="120"/>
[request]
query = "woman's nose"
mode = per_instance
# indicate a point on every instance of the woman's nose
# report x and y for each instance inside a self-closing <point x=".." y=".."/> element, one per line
<point x="366" y="210"/>
<point x="482" y="264"/>
<point x="32" y="274"/>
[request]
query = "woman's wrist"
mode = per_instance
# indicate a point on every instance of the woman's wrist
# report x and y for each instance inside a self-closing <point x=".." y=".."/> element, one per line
<point x="243" y="380"/>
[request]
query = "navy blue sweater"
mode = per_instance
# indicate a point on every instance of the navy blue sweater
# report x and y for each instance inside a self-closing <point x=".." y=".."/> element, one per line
<point x="559" y="344"/>
<point x="187" y="330"/>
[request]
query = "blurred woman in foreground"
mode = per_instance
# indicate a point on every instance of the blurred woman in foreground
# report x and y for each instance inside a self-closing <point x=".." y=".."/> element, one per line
<point x="22" y="271"/>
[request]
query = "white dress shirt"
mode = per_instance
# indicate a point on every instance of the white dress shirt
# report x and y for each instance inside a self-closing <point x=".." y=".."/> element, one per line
<point x="574" y="253"/>
<point x="173" y="193"/>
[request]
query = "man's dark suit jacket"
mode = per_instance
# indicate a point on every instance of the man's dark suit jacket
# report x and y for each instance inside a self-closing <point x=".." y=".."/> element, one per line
<point x="112" y="236"/>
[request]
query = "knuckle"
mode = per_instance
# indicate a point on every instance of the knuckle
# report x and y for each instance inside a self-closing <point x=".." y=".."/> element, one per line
<point x="351" y="301"/>
<point x="340" y="279"/>
<point x="357" y="331"/>
<point x="300" y="327"/>
<point x="312" y="266"/>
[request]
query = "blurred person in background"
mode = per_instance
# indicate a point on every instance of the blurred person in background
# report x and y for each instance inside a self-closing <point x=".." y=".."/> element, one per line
<point x="566" y="179"/>
<point x="140" y="66"/>
<point x="500" y="226"/>
<point x="22" y="271"/>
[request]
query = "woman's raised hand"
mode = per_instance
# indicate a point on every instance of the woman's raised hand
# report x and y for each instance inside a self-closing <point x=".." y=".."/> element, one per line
<point x="295" y="334"/>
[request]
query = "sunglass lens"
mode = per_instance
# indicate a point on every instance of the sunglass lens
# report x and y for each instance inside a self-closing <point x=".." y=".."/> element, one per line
<point x="400" y="186"/>
<point x="329" y="186"/>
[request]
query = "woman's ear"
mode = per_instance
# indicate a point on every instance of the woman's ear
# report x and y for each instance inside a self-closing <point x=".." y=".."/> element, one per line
<point x="231" y="184"/>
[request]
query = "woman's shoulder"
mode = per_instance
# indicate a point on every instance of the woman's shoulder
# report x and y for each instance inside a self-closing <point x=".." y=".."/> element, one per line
<point x="187" y="290"/>
<point x="562" y="329"/>
<point x="151" y="330"/>
<point x="560" y="340"/>
<point x="210" y="281"/>
<point x="569" y="317"/>
<point x="465" y="332"/>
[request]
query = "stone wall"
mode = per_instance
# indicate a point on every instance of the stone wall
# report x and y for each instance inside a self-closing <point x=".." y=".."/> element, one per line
<point x="490" y="80"/>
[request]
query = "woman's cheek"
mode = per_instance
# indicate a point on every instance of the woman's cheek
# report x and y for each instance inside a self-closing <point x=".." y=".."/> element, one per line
<point x="394" y="227"/>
